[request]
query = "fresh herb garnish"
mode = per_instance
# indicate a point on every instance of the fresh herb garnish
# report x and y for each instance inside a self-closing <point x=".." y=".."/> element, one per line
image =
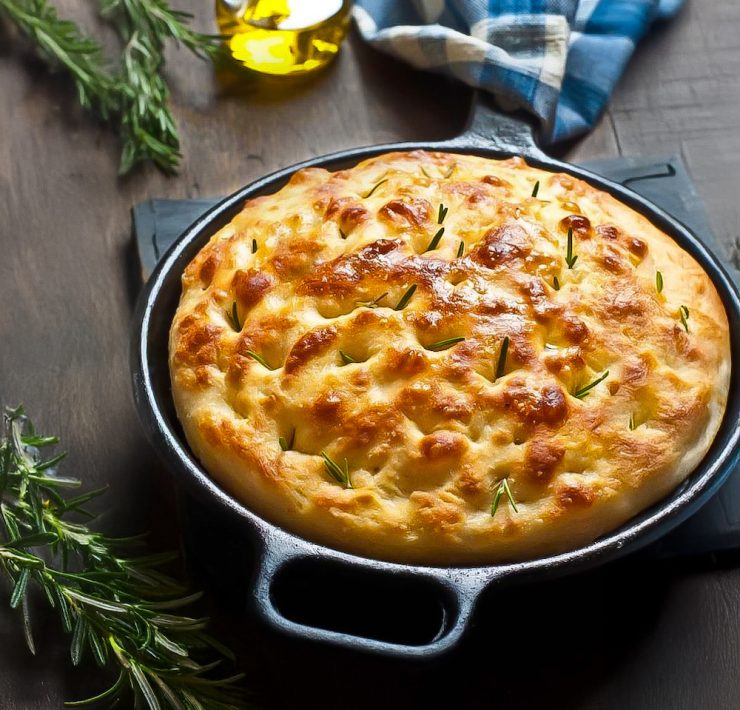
<point x="435" y="240"/>
<point x="569" y="258"/>
<point x="375" y="187"/>
<point x="658" y="282"/>
<point x="342" y="234"/>
<point x="501" y="365"/>
<point x="405" y="298"/>
<point x="134" y="97"/>
<point x="632" y="424"/>
<point x="684" y="315"/>
<point x="461" y="249"/>
<point x="346" y="359"/>
<point x="254" y="246"/>
<point x="232" y="316"/>
<point x="118" y="607"/>
<point x="503" y="488"/>
<point x="442" y="214"/>
<point x="445" y="344"/>
<point x="339" y="474"/>
<point x="555" y="283"/>
<point x="259" y="359"/>
<point x="583" y="391"/>
<point x="374" y="303"/>
<point x="536" y="189"/>
<point x="287" y="444"/>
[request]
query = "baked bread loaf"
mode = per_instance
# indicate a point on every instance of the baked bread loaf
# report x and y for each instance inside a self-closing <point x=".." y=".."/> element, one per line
<point x="444" y="359"/>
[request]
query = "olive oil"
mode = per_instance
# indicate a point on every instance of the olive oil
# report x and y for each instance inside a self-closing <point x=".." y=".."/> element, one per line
<point x="283" y="36"/>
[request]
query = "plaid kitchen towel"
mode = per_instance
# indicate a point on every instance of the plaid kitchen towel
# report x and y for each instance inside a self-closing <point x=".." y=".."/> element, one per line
<point x="560" y="59"/>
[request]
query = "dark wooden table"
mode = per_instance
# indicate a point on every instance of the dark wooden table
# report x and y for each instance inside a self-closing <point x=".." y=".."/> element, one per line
<point x="630" y="636"/>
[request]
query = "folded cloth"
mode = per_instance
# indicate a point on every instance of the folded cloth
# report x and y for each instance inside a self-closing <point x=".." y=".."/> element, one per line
<point x="559" y="59"/>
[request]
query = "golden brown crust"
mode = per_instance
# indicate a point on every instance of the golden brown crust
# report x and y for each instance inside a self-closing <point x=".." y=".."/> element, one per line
<point x="319" y="357"/>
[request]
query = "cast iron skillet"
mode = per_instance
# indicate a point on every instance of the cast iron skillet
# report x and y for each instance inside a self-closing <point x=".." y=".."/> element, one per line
<point x="457" y="589"/>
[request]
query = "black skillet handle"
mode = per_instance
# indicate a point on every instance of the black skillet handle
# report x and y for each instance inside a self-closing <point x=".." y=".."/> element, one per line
<point x="490" y="127"/>
<point x="367" y="593"/>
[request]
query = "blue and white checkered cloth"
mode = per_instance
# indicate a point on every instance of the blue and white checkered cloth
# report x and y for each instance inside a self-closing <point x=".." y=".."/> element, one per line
<point x="559" y="59"/>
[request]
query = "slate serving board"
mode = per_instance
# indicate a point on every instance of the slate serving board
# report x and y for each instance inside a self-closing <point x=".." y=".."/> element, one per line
<point x="664" y="181"/>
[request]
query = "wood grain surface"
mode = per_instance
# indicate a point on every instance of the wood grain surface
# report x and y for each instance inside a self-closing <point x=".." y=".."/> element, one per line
<point x="628" y="636"/>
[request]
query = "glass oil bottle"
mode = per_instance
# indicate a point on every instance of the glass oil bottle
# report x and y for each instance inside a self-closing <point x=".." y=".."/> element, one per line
<point x="283" y="36"/>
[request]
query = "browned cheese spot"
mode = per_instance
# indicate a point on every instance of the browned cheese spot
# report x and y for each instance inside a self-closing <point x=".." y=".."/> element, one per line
<point x="502" y="245"/>
<point x="308" y="347"/>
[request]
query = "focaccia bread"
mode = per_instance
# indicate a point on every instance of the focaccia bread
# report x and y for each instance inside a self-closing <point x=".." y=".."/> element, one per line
<point x="445" y="359"/>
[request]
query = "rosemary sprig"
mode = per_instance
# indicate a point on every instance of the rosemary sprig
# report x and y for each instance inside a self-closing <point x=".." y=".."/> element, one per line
<point x="233" y="317"/>
<point x="118" y="608"/>
<point x="405" y="298"/>
<point x="569" y="258"/>
<point x="503" y="488"/>
<point x="658" y="282"/>
<point x="147" y="126"/>
<point x="536" y="189"/>
<point x="375" y="303"/>
<point x="339" y="474"/>
<point x="61" y="42"/>
<point x="346" y="359"/>
<point x="259" y="359"/>
<point x="435" y="240"/>
<point x="501" y="364"/>
<point x="445" y="344"/>
<point x="583" y="391"/>
<point x="287" y="444"/>
<point x="556" y="283"/>
<point x="442" y="213"/>
<point x="684" y="315"/>
<point x="461" y="249"/>
<point x="134" y="97"/>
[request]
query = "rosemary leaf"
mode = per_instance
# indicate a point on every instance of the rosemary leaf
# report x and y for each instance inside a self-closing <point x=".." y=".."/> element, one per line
<point x="632" y="425"/>
<point x="569" y="258"/>
<point x="233" y="317"/>
<point x="583" y="391"/>
<point x="442" y="214"/>
<point x="658" y="282"/>
<point x="503" y="488"/>
<point x="346" y="359"/>
<point x="501" y="365"/>
<point x="258" y="358"/>
<point x="555" y="283"/>
<point x="405" y="298"/>
<point x="375" y="187"/>
<point x="339" y="474"/>
<point x="287" y="444"/>
<point x="435" y="240"/>
<point x="536" y="189"/>
<point x="684" y="315"/>
<point x="254" y="246"/>
<point x="445" y="344"/>
<point x="461" y="249"/>
<point x="375" y="303"/>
